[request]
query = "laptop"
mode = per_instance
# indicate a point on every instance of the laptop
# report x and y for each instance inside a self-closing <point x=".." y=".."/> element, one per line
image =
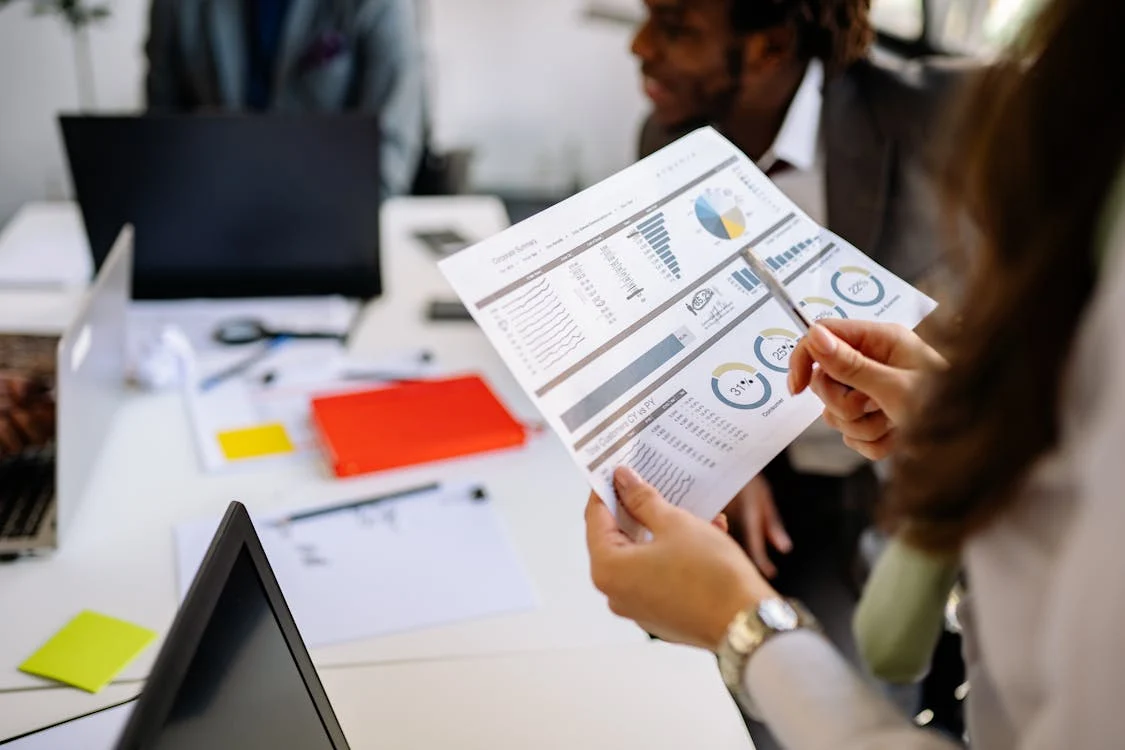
<point x="233" y="205"/>
<point x="233" y="674"/>
<point x="62" y="396"/>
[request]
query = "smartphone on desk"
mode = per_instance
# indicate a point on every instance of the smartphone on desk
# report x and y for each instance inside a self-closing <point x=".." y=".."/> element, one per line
<point x="442" y="242"/>
<point x="447" y="309"/>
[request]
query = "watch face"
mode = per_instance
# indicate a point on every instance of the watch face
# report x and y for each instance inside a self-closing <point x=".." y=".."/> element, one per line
<point x="776" y="614"/>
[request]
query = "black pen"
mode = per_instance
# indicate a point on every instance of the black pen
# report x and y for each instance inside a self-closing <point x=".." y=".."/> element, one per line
<point x="478" y="493"/>
<point x="356" y="372"/>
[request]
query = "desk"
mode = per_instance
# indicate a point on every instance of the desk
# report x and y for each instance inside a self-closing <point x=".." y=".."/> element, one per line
<point x="119" y="557"/>
<point x="651" y="696"/>
<point x="44" y="245"/>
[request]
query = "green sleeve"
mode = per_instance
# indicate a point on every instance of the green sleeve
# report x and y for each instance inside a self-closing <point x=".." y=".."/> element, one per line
<point x="902" y="612"/>
<point x="1113" y="215"/>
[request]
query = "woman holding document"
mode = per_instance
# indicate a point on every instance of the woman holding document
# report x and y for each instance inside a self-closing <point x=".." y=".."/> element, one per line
<point x="1007" y="443"/>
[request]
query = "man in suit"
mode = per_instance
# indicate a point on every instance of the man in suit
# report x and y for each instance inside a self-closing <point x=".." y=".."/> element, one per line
<point x="295" y="56"/>
<point x="853" y="142"/>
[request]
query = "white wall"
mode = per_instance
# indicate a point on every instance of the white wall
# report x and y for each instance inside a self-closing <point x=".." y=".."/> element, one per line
<point x="541" y="95"/>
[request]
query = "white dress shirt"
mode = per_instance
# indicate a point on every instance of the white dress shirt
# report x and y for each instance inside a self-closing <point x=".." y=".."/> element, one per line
<point x="820" y="449"/>
<point x="798" y="145"/>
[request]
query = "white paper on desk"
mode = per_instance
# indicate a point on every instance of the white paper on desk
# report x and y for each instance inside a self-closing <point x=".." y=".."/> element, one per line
<point x="303" y="370"/>
<point x="199" y="318"/>
<point x="96" y="731"/>
<point x="400" y="565"/>
<point x="631" y="318"/>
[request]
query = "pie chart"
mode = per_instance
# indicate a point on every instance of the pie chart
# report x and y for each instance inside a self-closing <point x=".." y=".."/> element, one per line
<point x="720" y="215"/>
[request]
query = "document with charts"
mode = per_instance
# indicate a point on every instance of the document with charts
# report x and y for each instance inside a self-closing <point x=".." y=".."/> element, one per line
<point x="631" y="316"/>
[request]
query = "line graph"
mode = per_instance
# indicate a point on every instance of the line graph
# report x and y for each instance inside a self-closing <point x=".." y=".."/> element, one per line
<point x="540" y="326"/>
<point x="670" y="479"/>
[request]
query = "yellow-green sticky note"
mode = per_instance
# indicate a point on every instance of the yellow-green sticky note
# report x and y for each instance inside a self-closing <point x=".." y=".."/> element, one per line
<point x="89" y="651"/>
<point x="255" y="442"/>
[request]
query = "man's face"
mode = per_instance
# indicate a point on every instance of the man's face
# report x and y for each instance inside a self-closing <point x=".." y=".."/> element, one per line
<point x="689" y="60"/>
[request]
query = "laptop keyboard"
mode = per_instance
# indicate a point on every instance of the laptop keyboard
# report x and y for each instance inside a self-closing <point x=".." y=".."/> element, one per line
<point x="27" y="488"/>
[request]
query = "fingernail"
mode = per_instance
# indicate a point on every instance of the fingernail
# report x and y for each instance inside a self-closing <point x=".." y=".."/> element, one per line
<point x="789" y="382"/>
<point x="822" y="340"/>
<point x="870" y="407"/>
<point x="786" y="543"/>
<point x="626" y="479"/>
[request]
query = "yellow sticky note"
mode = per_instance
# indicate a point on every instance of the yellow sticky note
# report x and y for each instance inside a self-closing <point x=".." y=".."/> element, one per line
<point x="255" y="442"/>
<point x="89" y="651"/>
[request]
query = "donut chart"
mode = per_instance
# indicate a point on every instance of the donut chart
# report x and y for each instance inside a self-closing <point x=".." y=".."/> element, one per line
<point x="773" y="347"/>
<point x="858" y="286"/>
<point x="819" y="308"/>
<point x="740" y="386"/>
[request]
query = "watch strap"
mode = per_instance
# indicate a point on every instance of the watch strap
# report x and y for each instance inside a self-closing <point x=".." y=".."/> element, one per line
<point x="745" y="635"/>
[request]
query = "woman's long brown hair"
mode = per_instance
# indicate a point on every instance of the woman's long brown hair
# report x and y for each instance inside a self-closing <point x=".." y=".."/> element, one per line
<point x="1043" y="137"/>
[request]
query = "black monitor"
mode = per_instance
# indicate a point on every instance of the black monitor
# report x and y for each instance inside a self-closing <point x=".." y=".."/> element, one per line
<point x="233" y="205"/>
<point x="233" y="673"/>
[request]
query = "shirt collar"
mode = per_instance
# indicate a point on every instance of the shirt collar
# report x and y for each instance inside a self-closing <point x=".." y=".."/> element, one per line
<point x="797" y="141"/>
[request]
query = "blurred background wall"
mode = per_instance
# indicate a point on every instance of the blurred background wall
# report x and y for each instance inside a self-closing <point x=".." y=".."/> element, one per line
<point x="544" y="92"/>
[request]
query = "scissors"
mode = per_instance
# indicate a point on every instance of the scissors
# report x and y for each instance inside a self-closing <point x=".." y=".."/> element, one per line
<point x="249" y="330"/>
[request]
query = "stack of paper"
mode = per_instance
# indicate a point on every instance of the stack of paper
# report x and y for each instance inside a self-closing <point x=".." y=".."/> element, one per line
<point x="421" y="560"/>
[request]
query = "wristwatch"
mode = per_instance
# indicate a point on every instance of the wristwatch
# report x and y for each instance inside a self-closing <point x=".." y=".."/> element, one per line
<point x="752" y="627"/>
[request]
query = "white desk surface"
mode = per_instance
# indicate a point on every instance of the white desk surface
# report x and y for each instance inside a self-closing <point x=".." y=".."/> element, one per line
<point x="119" y="556"/>
<point x="651" y="696"/>
<point x="567" y="675"/>
<point x="44" y="246"/>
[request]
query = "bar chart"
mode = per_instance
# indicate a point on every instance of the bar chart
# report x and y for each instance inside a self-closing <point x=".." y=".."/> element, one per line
<point x="745" y="278"/>
<point x="655" y="234"/>
<point x="776" y="262"/>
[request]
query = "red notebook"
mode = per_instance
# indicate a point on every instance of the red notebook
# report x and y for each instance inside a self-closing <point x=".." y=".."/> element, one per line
<point x="412" y="423"/>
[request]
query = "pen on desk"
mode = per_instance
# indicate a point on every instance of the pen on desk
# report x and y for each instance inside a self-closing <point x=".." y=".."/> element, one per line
<point x="242" y="366"/>
<point x="357" y="372"/>
<point x="477" y="494"/>
<point x="779" y="291"/>
<point x="377" y="376"/>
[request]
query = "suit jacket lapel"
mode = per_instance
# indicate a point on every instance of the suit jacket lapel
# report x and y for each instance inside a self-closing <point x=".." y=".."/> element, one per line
<point x="858" y="161"/>
<point x="228" y="41"/>
<point x="295" y="39"/>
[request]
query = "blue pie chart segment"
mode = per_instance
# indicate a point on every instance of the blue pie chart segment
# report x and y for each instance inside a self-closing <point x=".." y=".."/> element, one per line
<point x="720" y="215"/>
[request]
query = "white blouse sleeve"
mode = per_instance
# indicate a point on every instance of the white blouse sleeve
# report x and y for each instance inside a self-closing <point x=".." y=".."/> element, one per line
<point x="810" y="697"/>
<point x="1082" y="657"/>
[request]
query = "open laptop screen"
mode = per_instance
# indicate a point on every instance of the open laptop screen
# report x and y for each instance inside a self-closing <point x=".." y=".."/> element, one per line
<point x="231" y="205"/>
<point x="233" y="673"/>
<point x="242" y="688"/>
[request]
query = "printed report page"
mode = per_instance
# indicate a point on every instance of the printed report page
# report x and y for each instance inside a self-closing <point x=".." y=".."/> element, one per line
<point x="630" y="315"/>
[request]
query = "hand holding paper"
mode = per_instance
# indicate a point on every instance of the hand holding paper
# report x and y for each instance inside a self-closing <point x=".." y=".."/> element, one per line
<point x="632" y="317"/>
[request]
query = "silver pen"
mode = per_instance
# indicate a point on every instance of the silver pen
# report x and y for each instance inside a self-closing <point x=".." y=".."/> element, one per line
<point x="779" y="292"/>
